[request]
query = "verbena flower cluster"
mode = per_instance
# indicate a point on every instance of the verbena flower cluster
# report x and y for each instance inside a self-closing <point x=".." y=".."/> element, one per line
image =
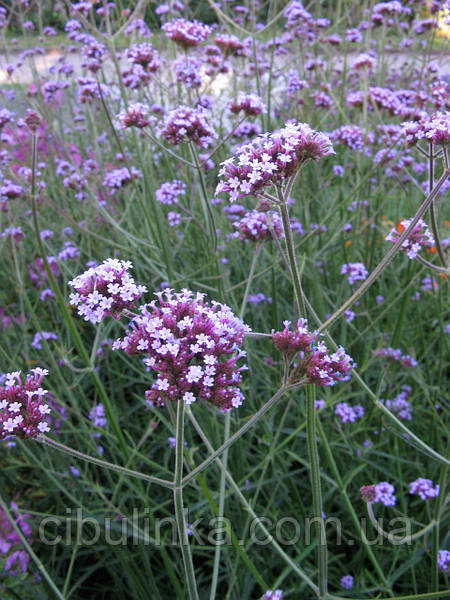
<point x="419" y="237"/>
<point x="105" y="290"/>
<point x="254" y="226"/>
<point x="355" y="271"/>
<point x="347" y="582"/>
<point x="186" y="33"/>
<point x="424" y="488"/>
<point x="250" y="104"/>
<point x="23" y="411"/>
<point x="396" y="355"/>
<point x="270" y="159"/>
<point x="347" y="413"/>
<point x="434" y="129"/>
<point x="170" y="191"/>
<point x="185" y="124"/>
<point x="443" y="560"/>
<point x="11" y="546"/>
<point x="314" y="362"/>
<point x="192" y="346"/>
<point x="276" y="595"/>
<point x="384" y="493"/>
<point x="135" y="115"/>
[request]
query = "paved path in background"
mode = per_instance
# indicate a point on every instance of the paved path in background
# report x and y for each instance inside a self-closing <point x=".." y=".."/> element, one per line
<point x="41" y="63"/>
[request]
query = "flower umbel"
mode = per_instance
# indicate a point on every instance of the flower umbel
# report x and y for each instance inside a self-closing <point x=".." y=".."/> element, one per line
<point x="105" y="290"/>
<point x="192" y="346"/>
<point x="270" y="159"/>
<point x="22" y="407"/>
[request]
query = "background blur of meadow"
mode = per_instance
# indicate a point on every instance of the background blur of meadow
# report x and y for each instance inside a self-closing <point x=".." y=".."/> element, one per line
<point x="78" y="69"/>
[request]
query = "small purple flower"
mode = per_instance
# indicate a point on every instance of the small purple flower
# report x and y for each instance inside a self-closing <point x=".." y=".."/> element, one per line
<point x="250" y="104"/>
<point x="105" y="290"/>
<point x="443" y="560"/>
<point x="347" y="413"/>
<point x="185" y="124"/>
<point x="347" y="582"/>
<point x="43" y="335"/>
<point x="355" y="271"/>
<point x="135" y="115"/>
<point x="419" y="237"/>
<point x="22" y="410"/>
<point x="254" y="227"/>
<point x="314" y="363"/>
<point x="385" y="493"/>
<point x="186" y="33"/>
<point x="276" y="595"/>
<point x="170" y="191"/>
<point x="424" y="488"/>
<point x="98" y="416"/>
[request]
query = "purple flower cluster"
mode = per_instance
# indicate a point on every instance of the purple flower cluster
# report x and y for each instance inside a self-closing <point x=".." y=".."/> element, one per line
<point x="347" y="582"/>
<point x="135" y="115"/>
<point x="250" y="104"/>
<point x="353" y="137"/>
<point x="10" y="542"/>
<point x="396" y="355"/>
<point x="443" y="560"/>
<point x="229" y="44"/>
<point x="400" y="405"/>
<point x="188" y="71"/>
<point x="192" y="346"/>
<point x="420" y="236"/>
<point x="424" y="488"/>
<point x="364" y="61"/>
<point x="22" y="410"/>
<point x="347" y="413"/>
<point x="434" y="129"/>
<point x="355" y="271"/>
<point x="186" y="33"/>
<point x="105" y="290"/>
<point x="144" y="55"/>
<point x="185" y="124"/>
<point x="270" y="159"/>
<point x="116" y="179"/>
<point x="314" y="363"/>
<point x="170" y="191"/>
<point x="276" y="595"/>
<point x="254" y="226"/>
<point x="384" y="493"/>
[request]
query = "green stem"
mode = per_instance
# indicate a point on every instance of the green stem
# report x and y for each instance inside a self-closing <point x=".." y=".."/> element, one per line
<point x="291" y="255"/>
<point x="313" y="454"/>
<point x="28" y="548"/>
<point x="179" y="508"/>
<point x="102" y="463"/>
<point x="239" y="433"/>
<point x="393" y="538"/>
<point x="433" y="218"/>
<point x="252" y="513"/>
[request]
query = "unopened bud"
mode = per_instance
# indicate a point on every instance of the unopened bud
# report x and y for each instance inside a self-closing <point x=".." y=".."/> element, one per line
<point x="33" y="120"/>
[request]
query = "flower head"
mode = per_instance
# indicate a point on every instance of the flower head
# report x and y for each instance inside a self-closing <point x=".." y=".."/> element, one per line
<point x="355" y="271"/>
<point x="254" y="226"/>
<point x="347" y="582"/>
<point x="314" y="362"/>
<point x="186" y="33"/>
<point x="385" y="493"/>
<point x="424" y="488"/>
<point x="443" y="560"/>
<point x="192" y="346"/>
<point x="185" y="124"/>
<point x="10" y="542"/>
<point x="420" y="236"/>
<point x="105" y="290"/>
<point x="270" y="159"/>
<point x="22" y="407"/>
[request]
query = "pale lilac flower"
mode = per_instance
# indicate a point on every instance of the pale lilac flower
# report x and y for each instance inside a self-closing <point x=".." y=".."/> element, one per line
<point x="419" y="237"/>
<point x="170" y="191"/>
<point x="135" y="115"/>
<point x="347" y="413"/>
<point x="186" y="33"/>
<point x="105" y="290"/>
<point x="144" y="55"/>
<point x="424" y="488"/>
<point x="254" y="226"/>
<point x="385" y="493"/>
<point x="276" y="595"/>
<point x="42" y="335"/>
<point x="11" y="544"/>
<point x="355" y="271"/>
<point x="250" y="104"/>
<point x="347" y="582"/>
<point x="97" y="415"/>
<point x="116" y="179"/>
<point x="443" y="560"/>
<point x="23" y="412"/>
